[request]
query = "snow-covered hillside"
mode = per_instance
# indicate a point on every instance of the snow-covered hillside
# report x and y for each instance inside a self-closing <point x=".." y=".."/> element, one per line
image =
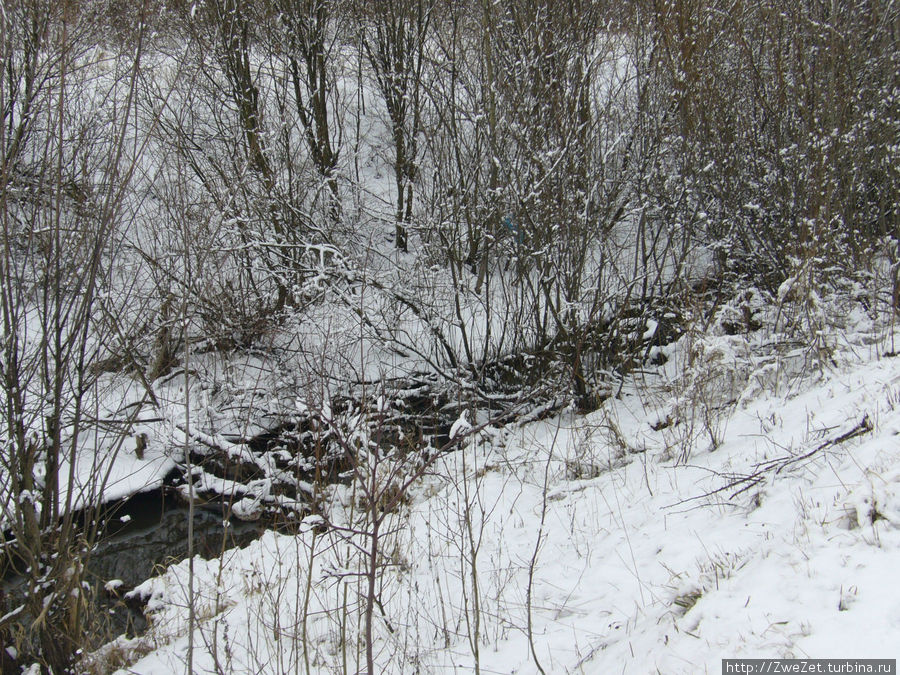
<point x="256" y="256"/>
<point x="620" y="541"/>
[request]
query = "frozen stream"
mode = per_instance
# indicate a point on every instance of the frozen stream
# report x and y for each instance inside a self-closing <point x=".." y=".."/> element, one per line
<point x="143" y="534"/>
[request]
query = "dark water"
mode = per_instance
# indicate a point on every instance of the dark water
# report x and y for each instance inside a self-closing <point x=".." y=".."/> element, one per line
<point x="150" y="530"/>
<point x="141" y="536"/>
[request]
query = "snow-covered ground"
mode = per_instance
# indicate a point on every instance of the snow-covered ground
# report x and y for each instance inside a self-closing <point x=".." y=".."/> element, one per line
<point x="752" y="512"/>
<point x="739" y="495"/>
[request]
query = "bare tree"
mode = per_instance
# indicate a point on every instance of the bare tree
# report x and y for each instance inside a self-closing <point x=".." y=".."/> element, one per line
<point x="66" y="169"/>
<point x="310" y="33"/>
<point x="395" y="46"/>
<point x="779" y="128"/>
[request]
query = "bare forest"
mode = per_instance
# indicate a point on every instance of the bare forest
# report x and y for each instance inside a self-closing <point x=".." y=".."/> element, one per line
<point x="281" y="259"/>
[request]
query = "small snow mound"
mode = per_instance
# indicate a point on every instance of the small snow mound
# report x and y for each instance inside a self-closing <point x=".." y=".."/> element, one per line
<point x="113" y="585"/>
<point x="247" y="508"/>
<point x="461" y="426"/>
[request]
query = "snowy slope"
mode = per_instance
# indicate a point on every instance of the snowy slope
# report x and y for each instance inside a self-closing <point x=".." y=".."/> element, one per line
<point x="598" y="540"/>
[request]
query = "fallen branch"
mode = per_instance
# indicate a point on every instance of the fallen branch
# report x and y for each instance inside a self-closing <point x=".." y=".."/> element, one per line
<point x="748" y="481"/>
<point x="864" y="427"/>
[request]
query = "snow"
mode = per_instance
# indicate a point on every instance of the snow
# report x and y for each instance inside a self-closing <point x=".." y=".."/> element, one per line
<point x="247" y="509"/>
<point x="742" y="499"/>
<point x="113" y="585"/>
<point x="634" y="555"/>
<point x="461" y="426"/>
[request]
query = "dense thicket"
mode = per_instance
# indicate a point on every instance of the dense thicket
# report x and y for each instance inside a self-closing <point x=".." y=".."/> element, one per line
<point x="477" y="183"/>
